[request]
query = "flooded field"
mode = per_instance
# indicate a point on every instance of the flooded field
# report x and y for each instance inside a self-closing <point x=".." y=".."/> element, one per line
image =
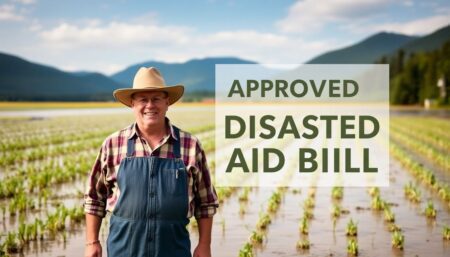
<point x="46" y="157"/>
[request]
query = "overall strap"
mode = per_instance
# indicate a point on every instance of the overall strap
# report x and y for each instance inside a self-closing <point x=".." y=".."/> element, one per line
<point x="130" y="146"/>
<point x="176" y="144"/>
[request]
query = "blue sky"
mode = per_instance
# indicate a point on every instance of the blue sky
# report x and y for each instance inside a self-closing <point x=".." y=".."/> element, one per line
<point x="109" y="35"/>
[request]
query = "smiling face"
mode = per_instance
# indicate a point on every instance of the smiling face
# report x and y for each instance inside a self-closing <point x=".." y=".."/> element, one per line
<point x="150" y="109"/>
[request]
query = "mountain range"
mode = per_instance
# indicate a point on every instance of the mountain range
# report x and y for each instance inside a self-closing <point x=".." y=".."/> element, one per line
<point x="22" y="80"/>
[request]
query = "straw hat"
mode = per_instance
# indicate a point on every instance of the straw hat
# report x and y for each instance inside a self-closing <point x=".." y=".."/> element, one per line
<point x="145" y="80"/>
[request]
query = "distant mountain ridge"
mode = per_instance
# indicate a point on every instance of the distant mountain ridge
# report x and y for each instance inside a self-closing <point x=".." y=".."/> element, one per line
<point x="429" y="42"/>
<point x="366" y="51"/>
<point x="22" y="80"/>
<point x="198" y="75"/>
<point x="381" y="44"/>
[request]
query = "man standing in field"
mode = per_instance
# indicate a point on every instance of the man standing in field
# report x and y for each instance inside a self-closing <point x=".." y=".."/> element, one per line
<point x="152" y="177"/>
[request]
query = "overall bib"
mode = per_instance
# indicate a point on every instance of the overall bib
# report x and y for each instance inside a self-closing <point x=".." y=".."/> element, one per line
<point x="150" y="217"/>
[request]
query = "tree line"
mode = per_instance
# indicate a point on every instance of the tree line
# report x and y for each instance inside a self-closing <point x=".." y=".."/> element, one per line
<point x="414" y="76"/>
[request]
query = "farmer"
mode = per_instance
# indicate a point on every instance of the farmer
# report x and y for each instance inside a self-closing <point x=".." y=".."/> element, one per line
<point x="152" y="177"/>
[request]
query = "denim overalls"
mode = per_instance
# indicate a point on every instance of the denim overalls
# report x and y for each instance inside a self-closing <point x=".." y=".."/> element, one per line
<point x="150" y="216"/>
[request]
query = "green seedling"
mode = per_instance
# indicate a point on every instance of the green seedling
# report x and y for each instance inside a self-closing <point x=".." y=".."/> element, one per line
<point x="352" y="247"/>
<point x="430" y="211"/>
<point x="336" y="211"/>
<point x="394" y="227"/>
<point x="398" y="240"/>
<point x="11" y="245"/>
<point x="374" y="191"/>
<point x="264" y="221"/>
<point x="352" y="228"/>
<point x="378" y="204"/>
<point x="337" y="193"/>
<point x="389" y="216"/>
<point x="244" y="196"/>
<point x="274" y="202"/>
<point x="303" y="244"/>
<point x="307" y="213"/>
<point x="412" y="192"/>
<point x="257" y="237"/>
<point x="304" y="226"/>
<point x="444" y="193"/>
<point x="309" y="203"/>
<point x="246" y="250"/>
<point x="446" y="233"/>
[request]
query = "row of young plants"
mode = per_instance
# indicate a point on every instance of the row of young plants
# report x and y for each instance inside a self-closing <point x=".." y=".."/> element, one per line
<point x="34" y="178"/>
<point x="421" y="173"/>
<point x="67" y="131"/>
<point x="39" y="141"/>
<point x="421" y="133"/>
<point x="54" y="225"/>
<point x="48" y="127"/>
<point x="258" y="235"/>
<point x="426" y="125"/>
<point x="437" y="156"/>
<point x="19" y="157"/>
<point x="337" y="194"/>
<point x="380" y="205"/>
<point x="308" y="214"/>
<point x="413" y="194"/>
<point x="265" y="219"/>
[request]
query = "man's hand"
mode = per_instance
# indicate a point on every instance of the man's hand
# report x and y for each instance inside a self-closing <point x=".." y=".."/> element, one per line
<point x="202" y="250"/>
<point x="94" y="250"/>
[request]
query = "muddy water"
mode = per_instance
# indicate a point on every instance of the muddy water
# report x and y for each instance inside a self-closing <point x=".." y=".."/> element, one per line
<point x="231" y="230"/>
<point x="423" y="237"/>
<point x="283" y="233"/>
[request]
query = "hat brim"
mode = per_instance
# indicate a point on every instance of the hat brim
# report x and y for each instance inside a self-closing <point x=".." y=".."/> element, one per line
<point x="174" y="93"/>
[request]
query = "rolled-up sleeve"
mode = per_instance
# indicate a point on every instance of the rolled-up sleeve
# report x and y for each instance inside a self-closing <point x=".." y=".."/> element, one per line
<point x="206" y="201"/>
<point x="97" y="189"/>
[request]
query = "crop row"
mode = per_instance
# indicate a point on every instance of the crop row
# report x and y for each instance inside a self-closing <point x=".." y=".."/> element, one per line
<point x="40" y="177"/>
<point x="258" y="234"/>
<point x="52" y="226"/>
<point x="437" y="156"/>
<point x="421" y="173"/>
<point x="433" y="126"/>
<point x="25" y="143"/>
<point x="425" y="137"/>
<point x="18" y="157"/>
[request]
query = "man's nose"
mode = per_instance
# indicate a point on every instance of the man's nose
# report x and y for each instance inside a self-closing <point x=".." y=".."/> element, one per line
<point x="150" y="103"/>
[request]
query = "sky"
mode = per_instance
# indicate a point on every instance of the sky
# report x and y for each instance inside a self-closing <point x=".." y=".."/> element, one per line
<point x="109" y="35"/>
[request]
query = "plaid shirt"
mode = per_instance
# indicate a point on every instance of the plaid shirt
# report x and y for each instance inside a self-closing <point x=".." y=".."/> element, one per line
<point x="102" y="192"/>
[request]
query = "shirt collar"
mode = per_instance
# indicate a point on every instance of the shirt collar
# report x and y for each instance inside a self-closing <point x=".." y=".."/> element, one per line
<point x="134" y="131"/>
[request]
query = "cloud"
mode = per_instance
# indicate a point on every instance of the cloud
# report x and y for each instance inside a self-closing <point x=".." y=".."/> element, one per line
<point x="415" y="27"/>
<point x="8" y="13"/>
<point x="113" y="34"/>
<point x="310" y="15"/>
<point x="116" y="44"/>
<point x="408" y="3"/>
<point x="258" y="46"/>
<point x="25" y="1"/>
